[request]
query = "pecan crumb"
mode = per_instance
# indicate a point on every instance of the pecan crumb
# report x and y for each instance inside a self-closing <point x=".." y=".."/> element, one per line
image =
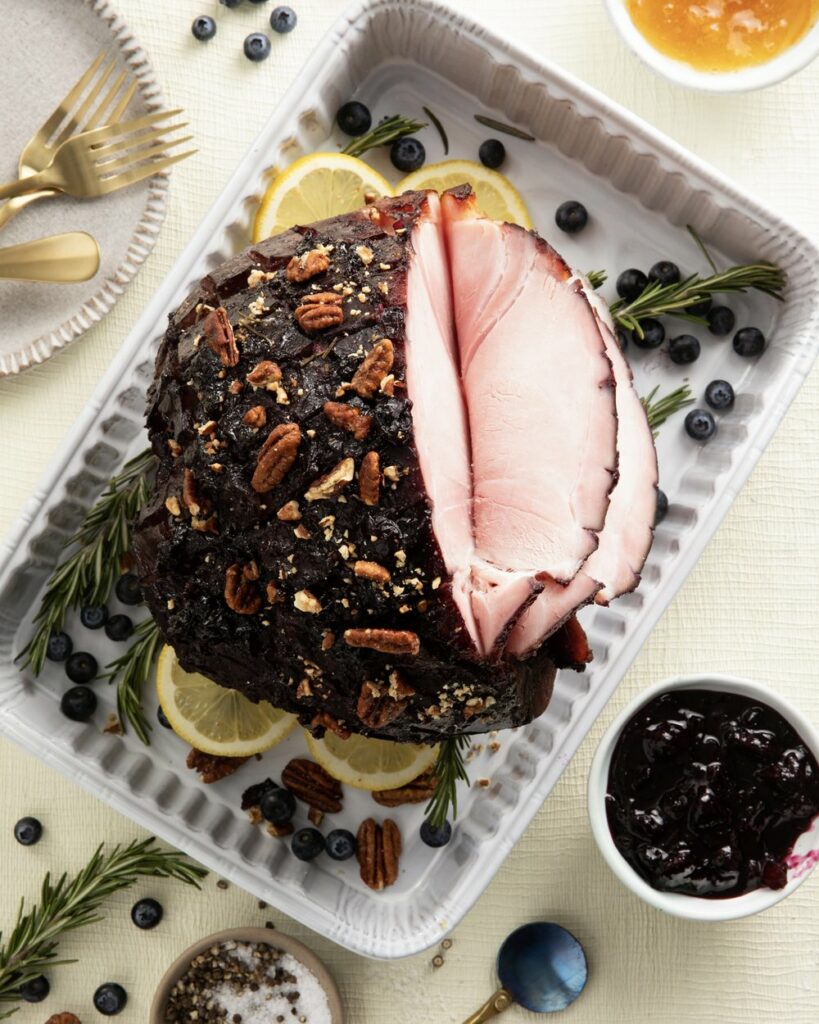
<point x="371" y="571"/>
<point x="304" y="601"/>
<point x="211" y="768"/>
<point x="289" y="512"/>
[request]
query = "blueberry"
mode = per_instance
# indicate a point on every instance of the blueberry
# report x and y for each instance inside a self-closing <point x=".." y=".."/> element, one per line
<point x="407" y="154"/>
<point x="119" y="627"/>
<point x="684" y="349"/>
<point x="203" y="28"/>
<point x="81" y="667"/>
<point x="146" y="914"/>
<point x="162" y="718"/>
<point x="283" y="19"/>
<point x="230" y="3"/>
<point x="60" y="645"/>
<point x="110" y="999"/>
<point x="700" y="309"/>
<point x="719" y="394"/>
<point x="341" y="844"/>
<point x="127" y="589"/>
<point x="278" y="806"/>
<point x="622" y="338"/>
<point x="93" y="616"/>
<point x="631" y="284"/>
<point x="257" y="46"/>
<point x="28" y="831"/>
<point x="665" y="272"/>
<point x="307" y="843"/>
<point x="749" y="341"/>
<point x="354" y="118"/>
<point x="721" y="320"/>
<point x="436" y="835"/>
<point x="36" y="990"/>
<point x="661" y="510"/>
<point x="571" y="216"/>
<point x="492" y="153"/>
<point x="700" y="425"/>
<point x="79" y="703"/>
<point x="653" y="334"/>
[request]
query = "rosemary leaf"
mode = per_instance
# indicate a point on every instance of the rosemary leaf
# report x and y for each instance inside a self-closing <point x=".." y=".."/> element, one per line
<point x="131" y="671"/>
<point x="658" y="410"/>
<point x="507" y="129"/>
<point x="450" y="769"/>
<point x="597" y="278"/>
<point x="384" y="134"/>
<point x="440" y="128"/>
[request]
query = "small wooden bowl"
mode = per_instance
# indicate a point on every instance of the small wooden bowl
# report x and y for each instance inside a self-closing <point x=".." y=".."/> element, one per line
<point x="269" y="937"/>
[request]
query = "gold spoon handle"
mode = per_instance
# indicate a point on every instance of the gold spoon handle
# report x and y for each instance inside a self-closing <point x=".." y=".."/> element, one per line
<point x="74" y="256"/>
<point x="499" y="1002"/>
<point x="12" y="207"/>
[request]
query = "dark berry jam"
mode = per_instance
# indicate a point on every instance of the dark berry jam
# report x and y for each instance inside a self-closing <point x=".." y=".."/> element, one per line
<point x="708" y="792"/>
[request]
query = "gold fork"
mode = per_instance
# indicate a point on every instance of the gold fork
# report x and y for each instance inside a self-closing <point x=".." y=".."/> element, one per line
<point x="71" y="116"/>
<point x="100" y="161"/>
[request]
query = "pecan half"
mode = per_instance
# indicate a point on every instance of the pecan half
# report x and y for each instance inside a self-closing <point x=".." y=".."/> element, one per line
<point x="378" y="852"/>
<point x="189" y="497"/>
<point x="348" y="418"/>
<point x="333" y="483"/>
<point x="241" y="593"/>
<point x="418" y="791"/>
<point x="302" y="268"/>
<point x="379" y="705"/>
<point x="372" y="571"/>
<point x="373" y="369"/>
<point x="387" y="641"/>
<point x="311" y="784"/>
<point x="218" y="333"/>
<point x="255" y="417"/>
<point x="369" y="479"/>
<point x="319" y="310"/>
<point x="211" y="768"/>
<point x="276" y="456"/>
<point x="324" y="720"/>
<point x="265" y="374"/>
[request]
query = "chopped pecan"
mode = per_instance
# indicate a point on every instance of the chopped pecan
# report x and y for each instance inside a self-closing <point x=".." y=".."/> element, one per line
<point x="218" y="333"/>
<point x="387" y="641"/>
<point x="113" y="726"/>
<point x="255" y="417"/>
<point x="324" y="720"/>
<point x="319" y="310"/>
<point x="289" y="512"/>
<point x="369" y="479"/>
<point x="271" y="592"/>
<point x="278" y="831"/>
<point x="328" y="640"/>
<point x="205" y="525"/>
<point x="265" y="374"/>
<point x="211" y="768"/>
<point x="315" y="816"/>
<point x="418" y="791"/>
<point x="63" y="1018"/>
<point x="241" y="593"/>
<point x="313" y="785"/>
<point x="333" y="483"/>
<point x="189" y="497"/>
<point x="276" y="456"/>
<point x="378" y="850"/>
<point x="348" y="418"/>
<point x="373" y="369"/>
<point x="304" y="601"/>
<point x="379" y="705"/>
<point x="172" y="505"/>
<point x="309" y="264"/>
<point x="372" y="571"/>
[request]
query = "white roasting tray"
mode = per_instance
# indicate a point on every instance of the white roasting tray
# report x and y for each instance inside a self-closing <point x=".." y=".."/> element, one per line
<point x="642" y="190"/>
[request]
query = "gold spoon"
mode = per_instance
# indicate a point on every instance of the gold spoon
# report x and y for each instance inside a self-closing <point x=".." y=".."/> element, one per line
<point x="73" y="256"/>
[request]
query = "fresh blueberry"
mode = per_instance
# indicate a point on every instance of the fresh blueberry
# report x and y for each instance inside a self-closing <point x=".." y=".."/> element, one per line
<point x="257" y="46"/>
<point x="146" y="914"/>
<point x="749" y="341"/>
<point x="622" y="338"/>
<point x="341" y="844"/>
<point x="571" y="217"/>
<point x="721" y="320"/>
<point x="435" y="835"/>
<point x="354" y="118"/>
<point x="492" y="153"/>
<point x="119" y="627"/>
<point x="283" y="19"/>
<point x="60" y="645"/>
<point x="407" y="154"/>
<point x="127" y="589"/>
<point x="28" y="831"/>
<point x="79" y="703"/>
<point x="307" y="843"/>
<point x="110" y="999"/>
<point x="36" y="990"/>
<point x="278" y="806"/>
<point x="719" y="395"/>
<point x="700" y="424"/>
<point x="700" y="309"/>
<point x="661" y="511"/>
<point x="684" y="349"/>
<point x="665" y="272"/>
<point x="631" y="284"/>
<point x="203" y="28"/>
<point x="230" y="3"/>
<point x="93" y="616"/>
<point x="162" y="718"/>
<point x="81" y="667"/>
<point x="653" y="334"/>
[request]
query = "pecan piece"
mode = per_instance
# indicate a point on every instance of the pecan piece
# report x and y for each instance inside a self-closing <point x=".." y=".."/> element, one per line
<point x="387" y="641"/>
<point x="289" y="512"/>
<point x="333" y="483"/>
<point x="189" y="497"/>
<point x="241" y="593"/>
<point x="63" y="1018"/>
<point x="373" y="369"/>
<point x="265" y="374"/>
<point x="379" y="705"/>
<point x="372" y="571"/>
<point x="348" y="418"/>
<point x="378" y="852"/>
<point x="324" y="720"/>
<point x="369" y="479"/>
<point x="418" y="791"/>
<point x="319" y="310"/>
<point x="310" y="783"/>
<point x="218" y="333"/>
<point x="309" y="264"/>
<point x="279" y="831"/>
<point x="255" y="417"/>
<point x="211" y="768"/>
<point x="276" y="456"/>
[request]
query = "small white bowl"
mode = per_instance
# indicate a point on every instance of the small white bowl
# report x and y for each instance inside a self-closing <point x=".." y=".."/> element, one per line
<point x="697" y="907"/>
<point x="758" y="76"/>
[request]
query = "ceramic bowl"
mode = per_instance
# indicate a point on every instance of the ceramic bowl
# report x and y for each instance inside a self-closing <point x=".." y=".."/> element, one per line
<point x="758" y="76"/>
<point x="806" y="850"/>
<point x="276" y="939"/>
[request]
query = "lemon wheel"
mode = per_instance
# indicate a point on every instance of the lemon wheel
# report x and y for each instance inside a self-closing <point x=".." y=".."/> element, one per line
<point x="497" y="196"/>
<point x="371" y="764"/>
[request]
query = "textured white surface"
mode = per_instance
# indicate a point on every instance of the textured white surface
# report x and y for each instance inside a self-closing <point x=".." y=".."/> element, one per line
<point x="748" y="608"/>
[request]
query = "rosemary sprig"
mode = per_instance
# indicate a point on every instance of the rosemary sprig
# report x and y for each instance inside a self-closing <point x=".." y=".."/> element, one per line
<point x="89" y="573"/>
<point x="507" y="129"/>
<point x="439" y="128"/>
<point x="597" y="278"/>
<point x="658" y="410"/>
<point x="385" y="133"/>
<point x="72" y="903"/>
<point x="131" y="671"/>
<point x="450" y="769"/>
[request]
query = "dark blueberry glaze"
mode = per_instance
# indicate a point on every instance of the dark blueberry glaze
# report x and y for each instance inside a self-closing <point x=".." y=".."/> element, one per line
<point x="708" y="792"/>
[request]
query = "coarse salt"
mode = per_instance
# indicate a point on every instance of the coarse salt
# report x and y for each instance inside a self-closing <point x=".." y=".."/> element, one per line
<point x="269" y="1004"/>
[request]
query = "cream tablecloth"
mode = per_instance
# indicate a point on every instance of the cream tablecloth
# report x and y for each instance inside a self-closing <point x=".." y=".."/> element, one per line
<point x="750" y="607"/>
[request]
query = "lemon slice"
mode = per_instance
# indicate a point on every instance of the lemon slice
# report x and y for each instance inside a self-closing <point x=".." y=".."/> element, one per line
<point x="371" y="764"/>
<point x="214" y="719"/>
<point x="316" y="186"/>
<point x="497" y="196"/>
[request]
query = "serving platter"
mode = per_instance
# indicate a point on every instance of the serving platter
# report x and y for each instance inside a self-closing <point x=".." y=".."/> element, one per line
<point x="641" y="190"/>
